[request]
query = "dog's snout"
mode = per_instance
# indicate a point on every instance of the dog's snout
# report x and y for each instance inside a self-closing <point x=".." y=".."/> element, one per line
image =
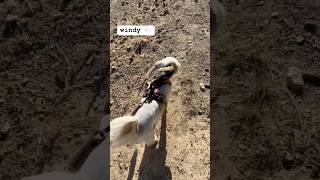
<point x="168" y="68"/>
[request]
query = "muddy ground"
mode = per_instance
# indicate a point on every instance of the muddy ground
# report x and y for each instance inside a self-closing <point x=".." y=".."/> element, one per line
<point x="47" y="47"/>
<point x="262" y="131"/>
<point x="182" y="31"/>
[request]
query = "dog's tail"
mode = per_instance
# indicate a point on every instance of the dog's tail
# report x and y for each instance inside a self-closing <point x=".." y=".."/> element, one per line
<point x="121" y="127"/>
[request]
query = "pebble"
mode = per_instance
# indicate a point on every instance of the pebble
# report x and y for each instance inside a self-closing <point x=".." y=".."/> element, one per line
<point x="202" y="87"/>
<point x="113" y="68"/>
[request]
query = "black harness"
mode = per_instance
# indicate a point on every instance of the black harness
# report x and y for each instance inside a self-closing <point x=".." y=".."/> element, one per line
<point x="153" y="92"/>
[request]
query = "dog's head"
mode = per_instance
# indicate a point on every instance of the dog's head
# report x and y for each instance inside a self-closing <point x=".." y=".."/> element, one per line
<point x="166" y="67"/>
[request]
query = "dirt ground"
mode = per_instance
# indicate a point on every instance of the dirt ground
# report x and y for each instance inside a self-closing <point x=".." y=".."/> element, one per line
<point x="47" y="47"/>
<point x="262" y="131"/>
<point x="182" y="31"/>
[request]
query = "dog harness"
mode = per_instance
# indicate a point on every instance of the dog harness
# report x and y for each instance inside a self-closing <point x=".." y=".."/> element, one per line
<point x="153" y="91"/>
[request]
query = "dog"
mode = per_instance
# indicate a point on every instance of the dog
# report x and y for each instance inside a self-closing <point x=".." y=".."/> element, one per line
<point x="140" y="127"/>
<point x="95" y="167"/>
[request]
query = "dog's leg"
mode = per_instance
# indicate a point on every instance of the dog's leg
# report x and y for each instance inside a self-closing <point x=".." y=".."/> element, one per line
<point x="151" y="138"/>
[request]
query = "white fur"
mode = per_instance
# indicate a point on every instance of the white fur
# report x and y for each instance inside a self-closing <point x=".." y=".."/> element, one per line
<point x="146" y="117"/>
<point x="116" y="125"/>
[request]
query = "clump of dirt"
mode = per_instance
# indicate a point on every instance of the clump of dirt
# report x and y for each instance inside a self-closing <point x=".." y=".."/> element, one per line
<point x="262" y="130"/>
<point x="182" y="31"/>
<point x="51" y="70"/>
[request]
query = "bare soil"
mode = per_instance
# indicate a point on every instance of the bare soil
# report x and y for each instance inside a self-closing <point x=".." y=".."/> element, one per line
<point x="47" y="47"/>
<point x="262" y="131"/>
<point x="182" y="31"/>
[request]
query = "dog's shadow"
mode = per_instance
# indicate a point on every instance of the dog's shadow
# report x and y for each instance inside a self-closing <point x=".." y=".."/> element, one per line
<point x="153" y="163"/>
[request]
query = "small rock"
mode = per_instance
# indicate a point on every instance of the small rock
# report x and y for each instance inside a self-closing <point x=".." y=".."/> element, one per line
<point x="180" y="169"/>
<point x="122" y="166"/>
<point x="300" y="39"/>
<point x="207" y="69"/>
<point x="166" y="12"/>
<point x="202" y="87"/>
<point x="200" y="112"/>
<point x="295" y="81"/>
<point x="113" y="69"/>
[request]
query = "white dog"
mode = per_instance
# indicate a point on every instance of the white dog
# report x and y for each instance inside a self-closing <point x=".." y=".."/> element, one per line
<point x="140" y="127"/>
